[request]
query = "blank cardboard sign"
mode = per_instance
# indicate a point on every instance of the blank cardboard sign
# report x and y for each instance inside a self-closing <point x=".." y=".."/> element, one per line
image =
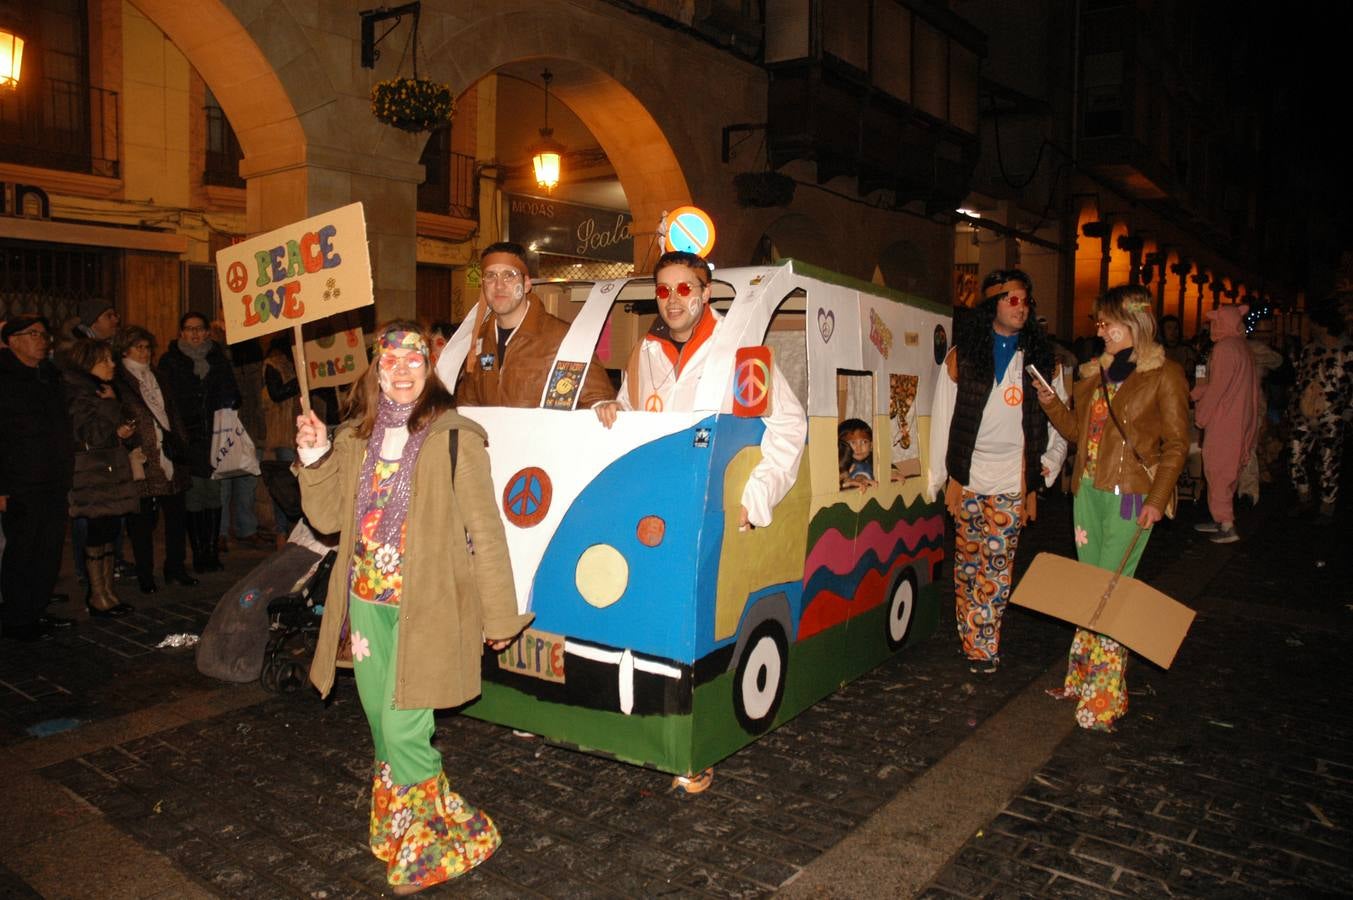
<point x="1135" y="613"/>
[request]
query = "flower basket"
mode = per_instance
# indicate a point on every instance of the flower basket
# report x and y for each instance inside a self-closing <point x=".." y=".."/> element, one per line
<point x="412" y="104"/>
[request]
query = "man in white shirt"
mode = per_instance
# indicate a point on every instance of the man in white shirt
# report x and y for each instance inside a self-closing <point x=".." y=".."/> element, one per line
<point x="666" y="365"/>
<point x="990" y="445"/>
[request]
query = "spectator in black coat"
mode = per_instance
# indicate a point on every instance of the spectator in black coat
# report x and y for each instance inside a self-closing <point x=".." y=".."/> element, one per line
<point x="200" y="380"/>
<point x="36" y="462"/>
<point x="103" y="490"/>
<point x="164" y="440"/>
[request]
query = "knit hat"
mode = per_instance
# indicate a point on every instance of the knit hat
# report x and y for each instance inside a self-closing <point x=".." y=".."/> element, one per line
<point x="90" y="309"/>
<point x="19" y="323"/>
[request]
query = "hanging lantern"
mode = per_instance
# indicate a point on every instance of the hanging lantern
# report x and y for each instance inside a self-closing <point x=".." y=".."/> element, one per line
<point x="11" y="59"/>
<point x="547" y="155"/>
<point x="547" y="161"/>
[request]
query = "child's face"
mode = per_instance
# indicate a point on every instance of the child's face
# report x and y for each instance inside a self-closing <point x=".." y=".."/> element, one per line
<point x="861" y="447"/>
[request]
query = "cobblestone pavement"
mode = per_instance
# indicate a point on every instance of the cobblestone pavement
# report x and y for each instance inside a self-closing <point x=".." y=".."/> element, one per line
<point x="271" y="800"/>
<point x="1232" y="774"/>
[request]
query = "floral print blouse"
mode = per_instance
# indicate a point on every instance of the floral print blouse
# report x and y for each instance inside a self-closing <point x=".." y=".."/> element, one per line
<point x="377" y="575"/>
<point x="1099" y="417"/>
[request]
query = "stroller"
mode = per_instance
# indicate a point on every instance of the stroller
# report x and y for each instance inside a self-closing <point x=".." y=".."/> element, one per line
<point x="295" y="619"/>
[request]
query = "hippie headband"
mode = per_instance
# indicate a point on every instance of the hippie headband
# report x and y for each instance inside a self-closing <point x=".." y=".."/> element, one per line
<point x="993" y="293"/>
<point x="403" y="340"/>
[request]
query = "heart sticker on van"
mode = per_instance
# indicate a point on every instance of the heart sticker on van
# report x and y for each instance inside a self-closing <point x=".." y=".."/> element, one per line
<point x="826" y="323"/>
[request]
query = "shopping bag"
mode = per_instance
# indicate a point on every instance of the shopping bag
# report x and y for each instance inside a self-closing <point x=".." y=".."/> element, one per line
<point x="232" y="450"/>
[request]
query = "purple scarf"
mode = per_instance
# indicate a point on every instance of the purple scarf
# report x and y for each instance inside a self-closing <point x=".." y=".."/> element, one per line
<point x="389" y="414"/>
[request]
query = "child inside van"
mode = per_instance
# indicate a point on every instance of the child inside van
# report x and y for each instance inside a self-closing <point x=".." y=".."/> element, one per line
<point x="858" y="469"/>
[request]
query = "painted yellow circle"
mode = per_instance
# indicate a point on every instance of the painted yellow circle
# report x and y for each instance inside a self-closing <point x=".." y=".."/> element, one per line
<point x="602" y="575"/>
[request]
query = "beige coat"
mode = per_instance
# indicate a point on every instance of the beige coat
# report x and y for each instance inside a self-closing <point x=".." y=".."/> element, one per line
<point x="1153" y="406"/>
<point x="451" y="602"/>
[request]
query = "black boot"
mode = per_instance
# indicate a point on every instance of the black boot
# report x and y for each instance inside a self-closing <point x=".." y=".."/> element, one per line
<point x="179" y="576"/>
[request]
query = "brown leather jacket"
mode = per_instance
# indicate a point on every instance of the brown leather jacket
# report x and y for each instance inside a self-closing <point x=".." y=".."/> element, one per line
<point x="519" y="379"/>
<point x="1153" y="407"/>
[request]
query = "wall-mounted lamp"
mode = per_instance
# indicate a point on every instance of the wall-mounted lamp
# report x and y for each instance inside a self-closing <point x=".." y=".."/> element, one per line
<point x="547" y="155"/>
<point x="11" y="58"/>
<point x="1099" y="229"/>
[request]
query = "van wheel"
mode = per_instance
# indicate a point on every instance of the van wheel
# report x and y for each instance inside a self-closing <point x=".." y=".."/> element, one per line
<point x="901" y="604"/>
<point x="759" y="683"/>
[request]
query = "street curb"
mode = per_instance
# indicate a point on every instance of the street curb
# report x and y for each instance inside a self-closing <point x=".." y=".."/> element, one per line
<point x="893" y="854"/>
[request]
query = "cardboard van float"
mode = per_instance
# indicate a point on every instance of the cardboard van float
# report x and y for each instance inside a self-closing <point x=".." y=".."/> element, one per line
<point x="663" y="635"/>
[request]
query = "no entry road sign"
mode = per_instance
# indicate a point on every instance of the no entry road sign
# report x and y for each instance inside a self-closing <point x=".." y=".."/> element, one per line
<point x="690" y="228"/>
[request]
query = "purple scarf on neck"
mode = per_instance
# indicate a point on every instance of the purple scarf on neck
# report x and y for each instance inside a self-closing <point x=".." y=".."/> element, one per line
<point x="389" y="414"/>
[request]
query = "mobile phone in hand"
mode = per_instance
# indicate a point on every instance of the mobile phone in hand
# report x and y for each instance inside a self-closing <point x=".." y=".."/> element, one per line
<point x="1038" y="376"/>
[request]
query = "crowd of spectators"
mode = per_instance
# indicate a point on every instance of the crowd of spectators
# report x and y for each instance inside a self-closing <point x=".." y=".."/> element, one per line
<point x="105" y="432"/>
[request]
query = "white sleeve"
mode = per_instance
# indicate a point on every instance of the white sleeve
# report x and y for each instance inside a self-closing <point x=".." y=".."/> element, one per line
<point x="308" y="456"/>
<point x="941" y="415"/>
<point x="1055" y="454"/>
<point x="781" y="452"/>
<point x="623" y="397"/>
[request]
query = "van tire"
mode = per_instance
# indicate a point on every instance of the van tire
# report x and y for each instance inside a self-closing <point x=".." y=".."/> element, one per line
<point x="759" y="681"/>
<point x="901" y="608"/>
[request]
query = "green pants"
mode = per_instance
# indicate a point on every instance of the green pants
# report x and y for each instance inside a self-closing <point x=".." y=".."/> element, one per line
<point x="1096" y="672"/>
<point x="1102" y="534"/>
<point x="403" y="737"/>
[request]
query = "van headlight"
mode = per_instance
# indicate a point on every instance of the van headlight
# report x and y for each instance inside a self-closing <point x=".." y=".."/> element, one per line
<point x="602" y="575"/>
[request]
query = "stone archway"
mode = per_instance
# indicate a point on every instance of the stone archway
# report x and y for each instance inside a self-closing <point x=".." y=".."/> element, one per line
<point x="300" y="108"/>
<point x="246" y="84"/>
<point x="622" y="115"/>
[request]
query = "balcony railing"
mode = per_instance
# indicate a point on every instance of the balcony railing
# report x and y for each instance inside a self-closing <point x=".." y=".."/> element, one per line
<point x="221" y="166"/>
<point x="448" y="188"/>
<point x="62" y="125"/>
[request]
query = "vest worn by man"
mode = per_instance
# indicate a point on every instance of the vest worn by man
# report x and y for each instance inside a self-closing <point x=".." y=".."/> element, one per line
<point x="973" y="389"/>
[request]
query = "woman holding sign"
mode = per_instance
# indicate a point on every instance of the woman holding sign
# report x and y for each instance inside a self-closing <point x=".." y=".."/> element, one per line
<point x="403" y="481"/>
<point x="1130" y="422"/>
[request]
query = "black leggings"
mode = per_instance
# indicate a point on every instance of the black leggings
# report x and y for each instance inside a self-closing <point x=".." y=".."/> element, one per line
<point x="102" y="530"/>
<point x="141" y="525"/>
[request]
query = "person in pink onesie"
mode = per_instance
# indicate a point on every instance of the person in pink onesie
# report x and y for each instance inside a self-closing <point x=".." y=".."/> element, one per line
<point x="1227" y="407"/>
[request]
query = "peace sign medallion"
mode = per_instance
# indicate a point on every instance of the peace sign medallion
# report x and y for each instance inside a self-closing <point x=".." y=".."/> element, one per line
<point x="526" y="499"/>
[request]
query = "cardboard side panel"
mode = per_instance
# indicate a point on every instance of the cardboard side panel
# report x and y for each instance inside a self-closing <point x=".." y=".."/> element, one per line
<point x="1136" y="614"/>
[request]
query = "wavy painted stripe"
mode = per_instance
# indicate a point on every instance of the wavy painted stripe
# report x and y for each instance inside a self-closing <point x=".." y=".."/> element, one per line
<point x="828" y="606"/>
<point x="835" y="552"/>
<point x="845" y="520"/>
<point x="844" y="583"/>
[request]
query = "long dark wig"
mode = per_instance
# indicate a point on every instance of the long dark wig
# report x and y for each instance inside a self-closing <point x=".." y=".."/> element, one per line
<point x="973" y="330"/>
<point x="361" y="404"/>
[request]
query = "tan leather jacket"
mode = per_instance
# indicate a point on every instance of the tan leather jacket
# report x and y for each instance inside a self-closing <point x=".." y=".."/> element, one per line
<point x="519" y="379"/>
<point x="1153" y="407"/>
<point x="450" y="604"/>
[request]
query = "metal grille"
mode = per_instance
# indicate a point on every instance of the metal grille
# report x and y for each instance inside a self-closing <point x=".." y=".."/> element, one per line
<point x="449" y="182"/>
<point x="50" y="280"/>
<point x="576" y="268"/>
<point x="59" y="124"/>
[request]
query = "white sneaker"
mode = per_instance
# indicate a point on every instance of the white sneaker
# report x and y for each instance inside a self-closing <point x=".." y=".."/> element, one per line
<point x="1226" y="534"/>
<point x="1207" y="527"/>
